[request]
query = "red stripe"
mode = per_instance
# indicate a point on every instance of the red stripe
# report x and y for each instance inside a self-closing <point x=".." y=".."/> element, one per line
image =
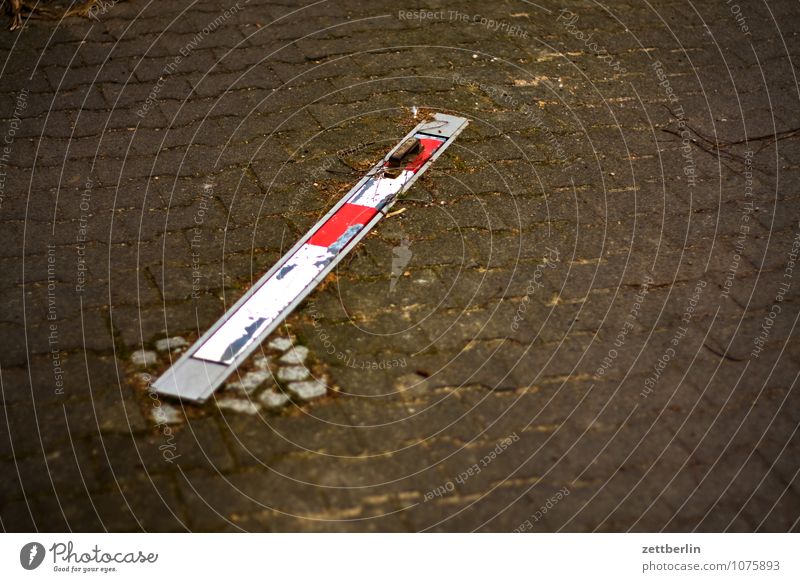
<point x="429" y="145"/>
<point x="336" y="225"/>
<point x="350" y="214"/>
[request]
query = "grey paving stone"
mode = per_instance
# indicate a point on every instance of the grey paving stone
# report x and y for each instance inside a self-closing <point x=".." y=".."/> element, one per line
<point x="272" y="399"/>
<point x="261" y="362"/>
<point x="295" y="355"/>
<point x="281" y="343"/>
<point x="167" y="414"/>
<point x="250" y="382"/>
<point x="292" y="373"/>
<point x="307" y="390"/>
<point x="144" y="358"/>
<point x="238" y="405"/>
<point x="168" y="344"/>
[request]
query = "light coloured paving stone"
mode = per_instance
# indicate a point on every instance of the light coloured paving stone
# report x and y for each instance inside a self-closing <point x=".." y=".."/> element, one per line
<point x="169" y="344"/>
<point x="295" y="355"/>
<point x="292" y="373"/>
<point x="261" y="362"/>
<point x="238" y="405"/>
<point x="308" y="390"/>
<point x="280" y="343"/>
<point x="167" y="414"/>
<point x="248" y="383"/>
<point x="273" y="399"/>
<point x="144" y="358"/>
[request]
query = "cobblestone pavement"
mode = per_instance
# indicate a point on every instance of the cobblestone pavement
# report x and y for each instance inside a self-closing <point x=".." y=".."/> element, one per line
<point x="583" y="320"/>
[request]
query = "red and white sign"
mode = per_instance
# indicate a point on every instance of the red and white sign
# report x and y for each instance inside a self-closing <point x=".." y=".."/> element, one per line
<point x="205" y="365"/>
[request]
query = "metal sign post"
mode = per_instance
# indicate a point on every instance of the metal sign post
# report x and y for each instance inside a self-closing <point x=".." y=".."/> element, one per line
<point x="238" y="333"/>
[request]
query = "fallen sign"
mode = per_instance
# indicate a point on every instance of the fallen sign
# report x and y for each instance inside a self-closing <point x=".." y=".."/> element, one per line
<point x="207" y="363"/>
